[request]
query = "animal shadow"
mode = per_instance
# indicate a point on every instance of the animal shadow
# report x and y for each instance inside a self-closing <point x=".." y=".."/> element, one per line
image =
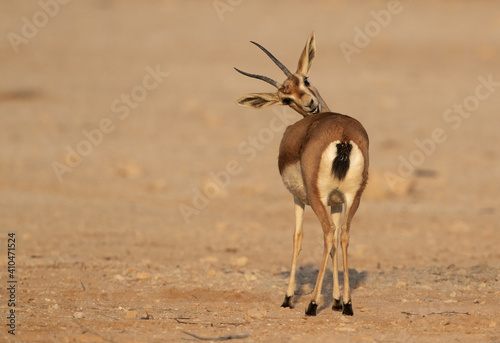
<point x="306" y="280"/>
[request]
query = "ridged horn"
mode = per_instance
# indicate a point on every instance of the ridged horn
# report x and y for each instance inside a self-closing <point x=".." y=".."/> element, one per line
<point x="275" y="60"/>
<point x="260" y="77"/>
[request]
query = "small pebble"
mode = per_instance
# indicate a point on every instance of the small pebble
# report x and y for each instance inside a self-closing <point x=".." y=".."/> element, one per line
<point x="209" y="259"/>
<point x="346" y="329"/>
<point x="255" y="313"/>
<point x="249" y="276"/>
<point x="143" y="276"/>
<point x="130" y="314"/>
<point x="79" y="315"/>
<point x="240" y="261"/>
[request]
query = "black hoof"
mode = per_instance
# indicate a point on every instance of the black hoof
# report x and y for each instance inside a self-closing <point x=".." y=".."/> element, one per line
<point x="337" y="305"/>
<point x="311" y="309"/>
<point x="287" y="302"/>
<point x="347" y="309"/>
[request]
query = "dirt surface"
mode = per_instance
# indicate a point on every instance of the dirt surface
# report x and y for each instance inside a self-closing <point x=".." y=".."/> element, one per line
<point x="146" y="205"/>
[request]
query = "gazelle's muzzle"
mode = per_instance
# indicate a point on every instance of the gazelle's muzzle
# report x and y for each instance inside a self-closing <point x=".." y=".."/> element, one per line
<point x="313" y="107"/>
<point x="318" y="109"/>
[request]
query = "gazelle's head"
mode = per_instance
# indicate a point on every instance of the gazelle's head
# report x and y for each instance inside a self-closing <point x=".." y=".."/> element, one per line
<point x="295" y="91"/>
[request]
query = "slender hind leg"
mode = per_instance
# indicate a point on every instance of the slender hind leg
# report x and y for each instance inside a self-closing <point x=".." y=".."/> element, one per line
<point x="351" y="205"/>
<point x="297" y="242"/>
<point x="336" y="211"/>
<point x="328" y="236"/>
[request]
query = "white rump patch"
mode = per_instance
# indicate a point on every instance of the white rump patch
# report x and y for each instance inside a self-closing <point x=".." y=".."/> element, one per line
<point x="329" y="186"/>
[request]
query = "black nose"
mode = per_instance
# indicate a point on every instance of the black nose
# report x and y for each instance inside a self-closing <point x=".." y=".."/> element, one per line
<point x="311" y="103"/>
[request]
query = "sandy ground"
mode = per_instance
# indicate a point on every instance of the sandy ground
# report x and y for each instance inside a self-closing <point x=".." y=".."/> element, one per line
<point x="117" y="120"/>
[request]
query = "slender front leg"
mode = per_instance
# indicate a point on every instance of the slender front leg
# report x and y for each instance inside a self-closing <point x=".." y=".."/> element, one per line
<point x="297" y="242"/>
<point x="336" y="211"/>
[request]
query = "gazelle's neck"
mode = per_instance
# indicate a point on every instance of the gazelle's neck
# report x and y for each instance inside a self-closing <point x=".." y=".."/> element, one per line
<point x="322" y="103"/>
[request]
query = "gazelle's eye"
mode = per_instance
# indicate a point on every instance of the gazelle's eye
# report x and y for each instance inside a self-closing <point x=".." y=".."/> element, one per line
<point x="306" y="82"/>
<point x="286" y="101"/>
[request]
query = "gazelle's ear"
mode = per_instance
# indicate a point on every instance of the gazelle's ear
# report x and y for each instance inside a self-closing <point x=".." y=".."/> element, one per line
<point x="258" y="100"/>
<point x="307" y="56"/>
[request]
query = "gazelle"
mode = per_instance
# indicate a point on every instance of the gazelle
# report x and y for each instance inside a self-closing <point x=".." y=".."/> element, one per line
<point x="323" y="161"/>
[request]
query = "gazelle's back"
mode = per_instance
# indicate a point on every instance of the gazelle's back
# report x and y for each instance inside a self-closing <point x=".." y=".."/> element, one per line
<point x="331" y="148"/>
